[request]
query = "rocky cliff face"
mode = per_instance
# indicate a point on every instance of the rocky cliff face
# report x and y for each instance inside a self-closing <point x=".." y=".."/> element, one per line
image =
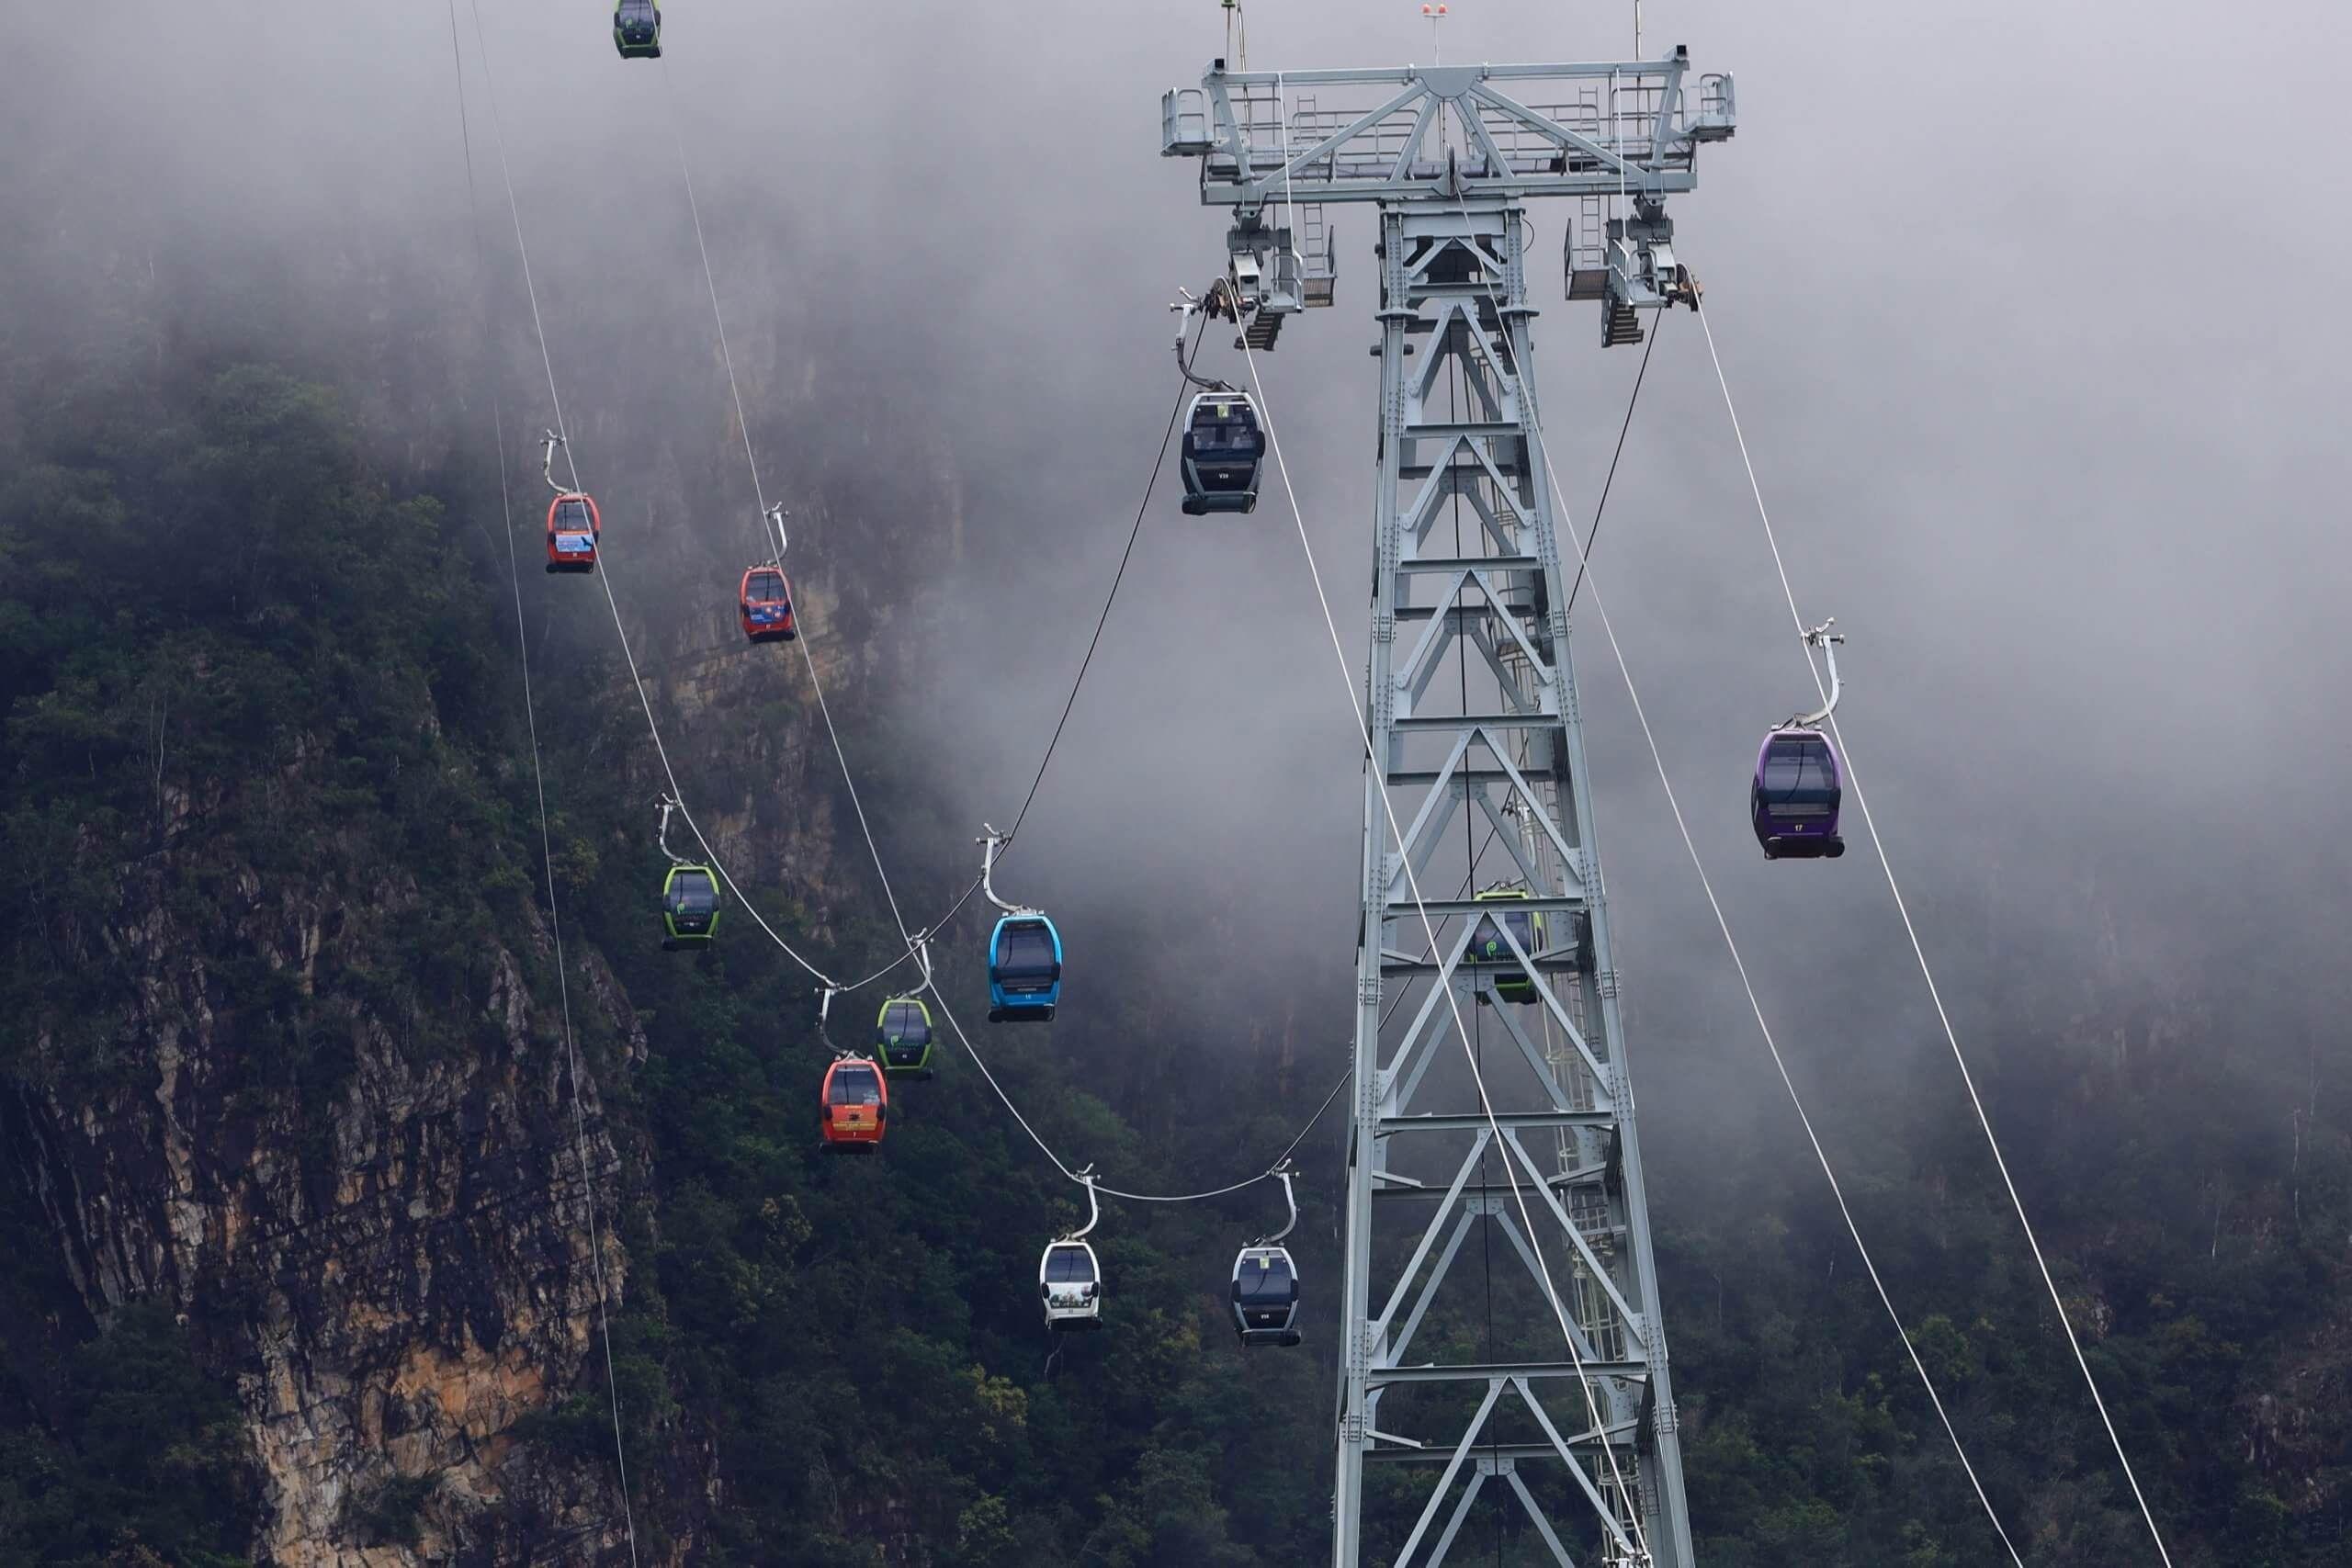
<point x="289" y="1049"/>
<point x="400" y="1265"/>
<point x="397" y="1273"/>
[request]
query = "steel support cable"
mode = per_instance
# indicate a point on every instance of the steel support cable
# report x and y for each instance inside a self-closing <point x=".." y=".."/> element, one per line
<point x="547" y="847"/>
<point x="1592" y="1404"/>
<point x="981" y="1062"/>
<point x="1047" y="1149"/>
<point x="759" y="494"/>
<point x="1184" y="392"/>
<point x="850" y="782"/>
<point x="1927" y="972"/>
<point x="1133" y="534"/>
<point x="1756" y="1006"/>
<point x="1724" y="925"/>
<point x="1592" y="534"/>
<point x="840" y="756"/>
<point x="572" y="463"/>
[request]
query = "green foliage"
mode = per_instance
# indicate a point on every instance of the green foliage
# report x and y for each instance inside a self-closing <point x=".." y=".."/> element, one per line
<point x="241" y="681"/>
<point x="143" y="1457"/>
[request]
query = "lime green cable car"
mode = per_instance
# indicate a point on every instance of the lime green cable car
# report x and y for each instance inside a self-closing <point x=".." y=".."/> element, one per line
<point x="902" y="1038"/>
<point x="689" y="907"/>
<point x="637" y="28"/>
<point x="1489" y="948"/>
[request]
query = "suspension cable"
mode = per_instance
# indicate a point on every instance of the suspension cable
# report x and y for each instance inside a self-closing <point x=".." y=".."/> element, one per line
<point x="1739" y="964"/>
<point x="840" y="755"/>
<point x="1600" y="510"/>
<point x="758" y="492"/>
<point x="1927" y="972"/>
<point x="539" y="786"/>
<point x="604" y="575"/>
<point x="1182" y="392"/>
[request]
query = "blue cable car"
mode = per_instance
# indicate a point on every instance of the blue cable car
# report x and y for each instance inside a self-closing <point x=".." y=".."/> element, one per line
<point x="1024" y="969"/>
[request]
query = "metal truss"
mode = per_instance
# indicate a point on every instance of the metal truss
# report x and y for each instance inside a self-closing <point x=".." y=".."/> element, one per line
<point x="1626" y="128"/>
<point x="1620" y="136"/>
<point x="1474" y="731"/>
<point x="1563" y="1403"/>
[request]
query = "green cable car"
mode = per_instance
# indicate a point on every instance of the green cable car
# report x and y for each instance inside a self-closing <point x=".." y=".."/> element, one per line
<point x="689" y="907"/>
<point x="1489" y="948"/>
<point x="902" y="1038"/>
<point x="637" y="28"/>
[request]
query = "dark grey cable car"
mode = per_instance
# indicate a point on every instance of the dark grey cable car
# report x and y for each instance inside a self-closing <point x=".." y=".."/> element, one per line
<point x="1224" y="444"/>
<point x="1266" y="1283"/>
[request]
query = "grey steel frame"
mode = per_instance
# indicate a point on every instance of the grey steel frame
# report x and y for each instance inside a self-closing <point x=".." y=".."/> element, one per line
<point x="1448" y="159"/>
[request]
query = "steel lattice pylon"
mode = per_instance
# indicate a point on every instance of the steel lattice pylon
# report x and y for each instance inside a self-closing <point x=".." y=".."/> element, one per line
<point x="1472" y="715"/>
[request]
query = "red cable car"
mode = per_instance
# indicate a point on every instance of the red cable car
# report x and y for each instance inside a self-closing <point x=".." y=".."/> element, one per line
<point x="765" y="599"/>
<point x="854" y="1108"/>
<point x="573" y="530"/>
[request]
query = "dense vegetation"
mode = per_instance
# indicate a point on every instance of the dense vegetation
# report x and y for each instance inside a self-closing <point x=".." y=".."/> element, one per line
<point x="228" y="646"/>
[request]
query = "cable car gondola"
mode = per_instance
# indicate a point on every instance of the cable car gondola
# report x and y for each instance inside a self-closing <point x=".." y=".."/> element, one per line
<point x="766" y="600"/>
<point x="1024" y="969"/>
<point x="1488" y="946"/>
<point x="1265" y="1284"/>
<point x="1794" y="797"/>
<point x="903" y="1037"/>
<point x="574" y="528"/>
<point x="853" y="1107"/>
<point x="1069" y="1277"/>
<point x="689" y="895"/>
<point x="1223" y="445"/>
<point x="637" y="28"/>
<point x="689" y="907"/>
<point x="1024" y="953"/>
<point x="1793" y="800"/>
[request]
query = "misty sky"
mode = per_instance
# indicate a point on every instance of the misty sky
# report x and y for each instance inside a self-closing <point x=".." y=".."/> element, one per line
<point x="2028" y="308"/>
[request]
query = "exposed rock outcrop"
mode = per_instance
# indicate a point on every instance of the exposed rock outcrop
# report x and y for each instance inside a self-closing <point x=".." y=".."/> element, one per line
<point x="397" y="1274"/>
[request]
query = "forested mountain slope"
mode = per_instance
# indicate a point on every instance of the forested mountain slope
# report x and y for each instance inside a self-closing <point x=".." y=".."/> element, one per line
<point x="299" y="1222"/>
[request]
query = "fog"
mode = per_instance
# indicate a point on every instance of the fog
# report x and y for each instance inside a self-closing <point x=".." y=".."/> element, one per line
<point x="2025" y="311"/>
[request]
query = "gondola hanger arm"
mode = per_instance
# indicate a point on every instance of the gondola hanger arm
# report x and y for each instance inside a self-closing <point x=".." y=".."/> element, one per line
<point x="1085" y="1177"/>
<point x="669" y="806"/>
<point x="825" y="995"/>
<point x="990" y="846"/>
<point x="1185" y="308"/>
<point x="1822" y="638"/>
<point x="1282" y="1173"/>
<point x="548" y="441"/>
<point x="776" y="515"/>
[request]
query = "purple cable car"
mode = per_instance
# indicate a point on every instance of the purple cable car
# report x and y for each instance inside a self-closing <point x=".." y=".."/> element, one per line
<point x="1793" y="801"/>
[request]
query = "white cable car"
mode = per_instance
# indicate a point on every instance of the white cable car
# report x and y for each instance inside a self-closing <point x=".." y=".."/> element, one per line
<point x="1069" y="1277"/>
<point x="1266" y="1283"/>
